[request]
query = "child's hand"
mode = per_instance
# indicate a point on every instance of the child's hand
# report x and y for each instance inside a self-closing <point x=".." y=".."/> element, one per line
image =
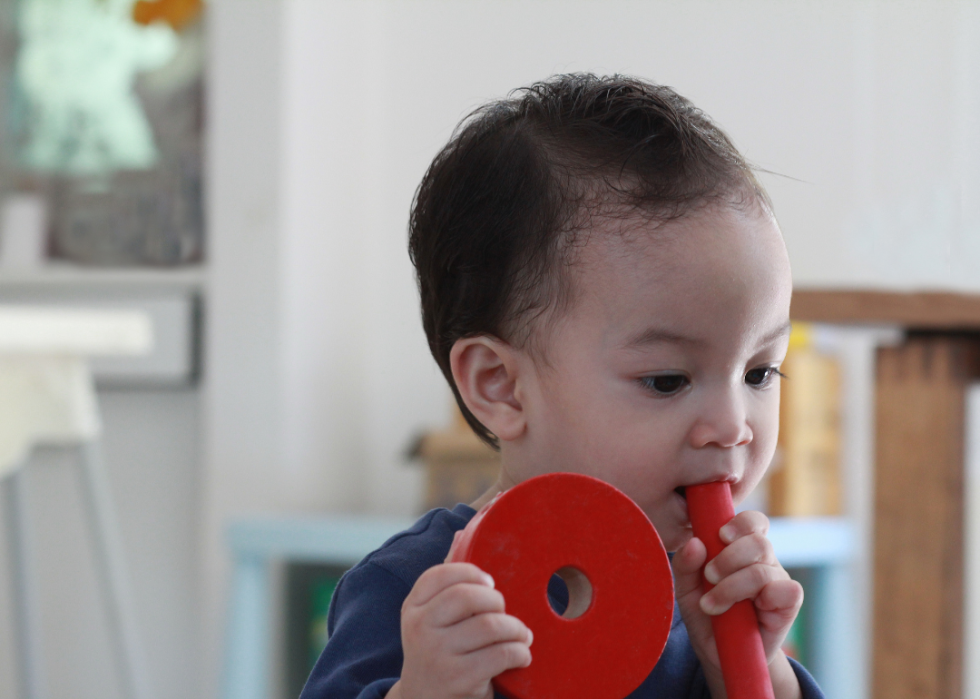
<point x="746" y="569"/>
<point x="456" y="636"/>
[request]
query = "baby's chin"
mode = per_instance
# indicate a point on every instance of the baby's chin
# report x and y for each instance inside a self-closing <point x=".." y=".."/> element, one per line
<point x="675" y="536"/>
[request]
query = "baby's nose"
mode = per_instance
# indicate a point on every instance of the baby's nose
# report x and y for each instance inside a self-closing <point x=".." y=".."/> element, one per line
<point x="724" y="424"/>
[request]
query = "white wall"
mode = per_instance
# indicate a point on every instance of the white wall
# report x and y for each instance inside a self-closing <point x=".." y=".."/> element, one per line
<point x="242" y="446"/>
<point x="325" y="114"/>
<point x="872" y="108"/>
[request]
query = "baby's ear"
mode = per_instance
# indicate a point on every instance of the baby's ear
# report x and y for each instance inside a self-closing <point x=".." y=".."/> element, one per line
<point x="486" y="373"/>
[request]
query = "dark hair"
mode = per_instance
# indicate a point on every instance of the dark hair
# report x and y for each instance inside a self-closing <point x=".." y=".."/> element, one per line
<point x="498" y="210"/>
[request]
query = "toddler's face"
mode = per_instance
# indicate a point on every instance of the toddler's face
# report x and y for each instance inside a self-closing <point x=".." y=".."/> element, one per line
<point x="662" y="373"/>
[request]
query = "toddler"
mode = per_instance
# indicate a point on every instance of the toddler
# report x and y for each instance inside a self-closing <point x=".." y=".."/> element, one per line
<point x="607" y="292"/>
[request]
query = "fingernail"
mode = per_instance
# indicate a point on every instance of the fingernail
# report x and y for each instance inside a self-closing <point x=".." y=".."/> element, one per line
<point x="530" y="637"/>
<point x="727" y="533"/>
<point x="488" y="580"/>
<point x="711" y="574"/>
<point x="707" y="605"/>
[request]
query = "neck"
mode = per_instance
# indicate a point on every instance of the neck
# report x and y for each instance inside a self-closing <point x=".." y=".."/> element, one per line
<point x="489" y="495"/>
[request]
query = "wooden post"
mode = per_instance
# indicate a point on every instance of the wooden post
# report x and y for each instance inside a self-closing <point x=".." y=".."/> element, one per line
<point x="918" y="537"/>
<point x="919" y="476"/>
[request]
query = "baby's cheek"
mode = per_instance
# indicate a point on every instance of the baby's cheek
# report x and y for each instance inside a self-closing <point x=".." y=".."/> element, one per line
<point x="763" y="451"/>
<point x="766" y="432"/>
<point x="765" y="459"/>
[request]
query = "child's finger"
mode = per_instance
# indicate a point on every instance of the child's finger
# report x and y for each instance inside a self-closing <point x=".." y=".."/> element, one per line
<point x="742" y="584"/>
<point x="686" y="563"/>
<point x="743" y="524"/>
<point x="491" y="661"/>
<point x="452" y="546"/>
<point x="485" y="630"/>
<point x="459" y="533"/>
<point x="782" y="596"/>
<point x="743" y="552"/>
<point x="438" y="578"/>
<point x="461" y="601"/>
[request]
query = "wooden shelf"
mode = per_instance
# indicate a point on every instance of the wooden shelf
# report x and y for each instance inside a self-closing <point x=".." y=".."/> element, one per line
<point x="804" y="542"/>
<point x="928" y="310"/>
<point x="336" y="539"/>
<point x="921" y="388"/>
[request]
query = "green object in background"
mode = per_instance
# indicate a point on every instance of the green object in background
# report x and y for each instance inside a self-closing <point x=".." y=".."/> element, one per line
<point x="797" y="642"/>
<point x="309" y="587"/>
<point x="320" y="593"/>
<point x="75" y="76"/>
<point x="793" y="643"/>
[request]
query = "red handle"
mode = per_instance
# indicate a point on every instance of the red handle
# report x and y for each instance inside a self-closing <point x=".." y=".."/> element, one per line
<point x="743" y="659"/>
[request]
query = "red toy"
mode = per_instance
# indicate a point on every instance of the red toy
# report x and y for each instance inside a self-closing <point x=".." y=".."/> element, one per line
<point x="743" y="659"/>
<point x="563" y="520"/>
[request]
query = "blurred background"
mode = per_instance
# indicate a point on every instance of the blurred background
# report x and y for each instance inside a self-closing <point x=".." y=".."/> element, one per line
<point x="241" y="171"/>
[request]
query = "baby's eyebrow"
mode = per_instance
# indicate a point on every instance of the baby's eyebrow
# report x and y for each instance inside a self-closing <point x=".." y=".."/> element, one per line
<point x="782" y="331"/>
<point x="654" y="336"/>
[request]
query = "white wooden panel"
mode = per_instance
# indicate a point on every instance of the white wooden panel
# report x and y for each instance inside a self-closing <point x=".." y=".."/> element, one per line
<point x="173" y="358"/>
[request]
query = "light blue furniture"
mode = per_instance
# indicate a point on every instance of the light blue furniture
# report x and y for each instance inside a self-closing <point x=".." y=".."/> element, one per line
<point x="256" y="545"/>
<point x="826" y="546"/>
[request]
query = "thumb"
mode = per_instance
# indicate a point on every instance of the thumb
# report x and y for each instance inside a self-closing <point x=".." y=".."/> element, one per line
<point x="687" y="564"/>
<point x="471" y="525"/>
<point x="452" y="547"/>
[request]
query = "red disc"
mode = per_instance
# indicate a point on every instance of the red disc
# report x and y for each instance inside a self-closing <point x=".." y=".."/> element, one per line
<point x="564" y="520"/>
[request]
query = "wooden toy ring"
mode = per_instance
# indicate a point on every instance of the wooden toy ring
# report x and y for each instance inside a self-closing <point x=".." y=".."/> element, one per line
<point x="564" y="520"/>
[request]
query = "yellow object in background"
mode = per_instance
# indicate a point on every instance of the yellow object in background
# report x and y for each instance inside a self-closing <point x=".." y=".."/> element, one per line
<point x="177" y="13"/>
<point x="806" y="478"/>
<point x="801" y="337"/>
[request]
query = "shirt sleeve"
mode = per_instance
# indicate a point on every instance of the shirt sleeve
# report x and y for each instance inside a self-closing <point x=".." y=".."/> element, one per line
<point x="808" y="686"/>
<point x="363" y="656"/>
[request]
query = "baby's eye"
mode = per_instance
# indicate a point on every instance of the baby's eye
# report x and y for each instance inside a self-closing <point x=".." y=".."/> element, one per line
<point x="762" y="375"/>
<point x="665" y="384"/>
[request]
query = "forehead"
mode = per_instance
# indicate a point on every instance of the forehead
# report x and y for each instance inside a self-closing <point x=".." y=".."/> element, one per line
<point x="718" y="270"/>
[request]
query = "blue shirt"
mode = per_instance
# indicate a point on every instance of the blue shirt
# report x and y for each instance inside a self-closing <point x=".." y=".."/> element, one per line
<point x="363" y="657"/>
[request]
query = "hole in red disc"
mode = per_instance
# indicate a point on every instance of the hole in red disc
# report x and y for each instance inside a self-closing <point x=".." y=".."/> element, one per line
<point x="579" y="591"/>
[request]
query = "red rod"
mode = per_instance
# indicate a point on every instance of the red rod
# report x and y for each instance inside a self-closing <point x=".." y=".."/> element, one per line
<point x="743" y="658"/>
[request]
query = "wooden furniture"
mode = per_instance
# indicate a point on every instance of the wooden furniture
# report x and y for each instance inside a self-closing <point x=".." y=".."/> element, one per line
<point x="935" y="311"/>
<point x="459" y="466"/>
<point x="921" y="390"/>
